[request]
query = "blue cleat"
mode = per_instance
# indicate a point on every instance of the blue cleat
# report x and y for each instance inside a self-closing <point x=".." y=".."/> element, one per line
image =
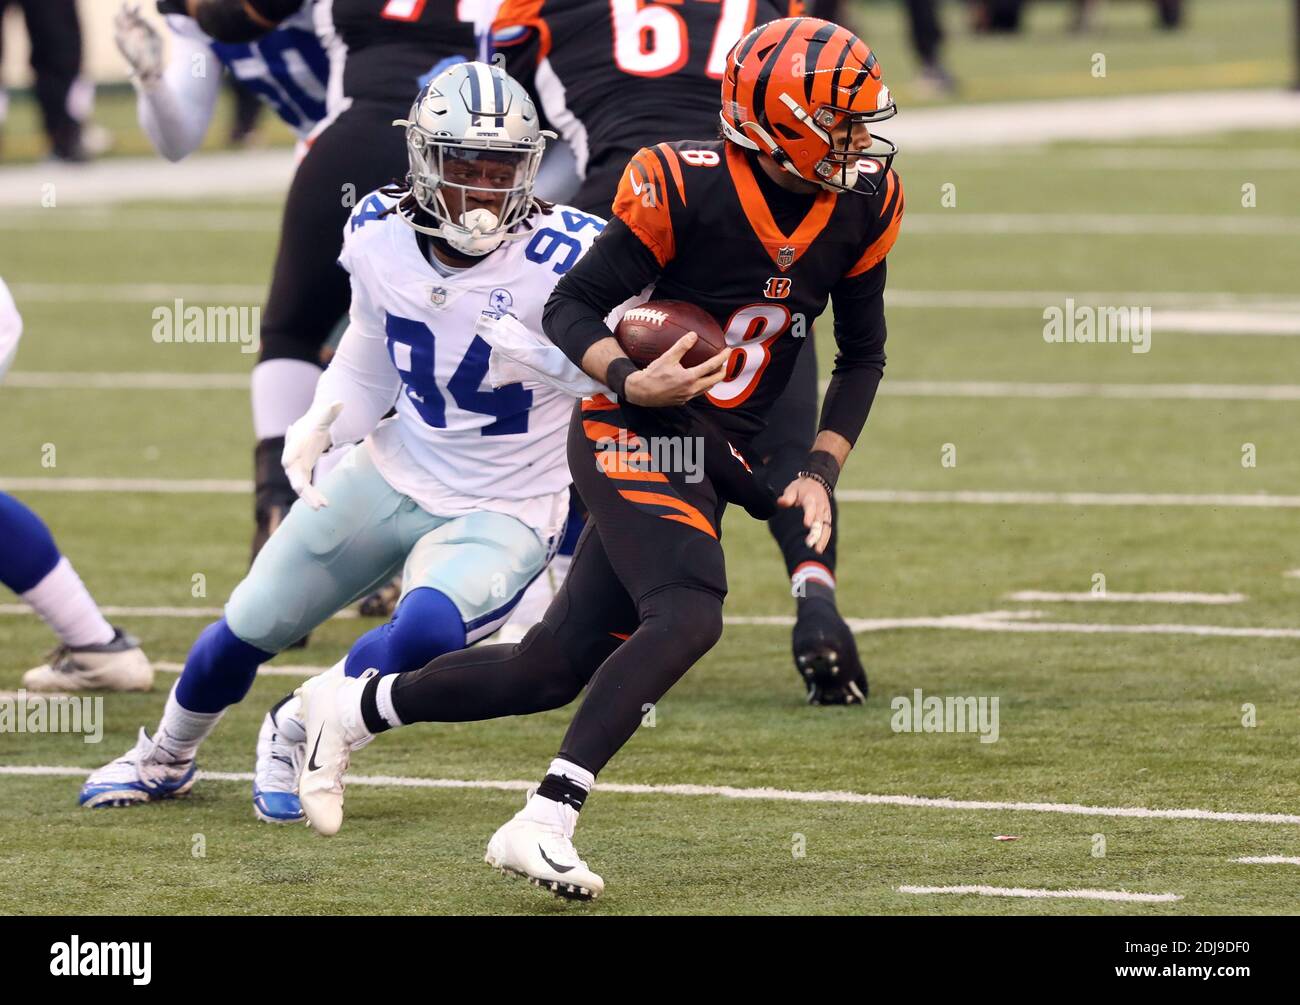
<point x="144" y="774"/>
<point x="280" y="749"/>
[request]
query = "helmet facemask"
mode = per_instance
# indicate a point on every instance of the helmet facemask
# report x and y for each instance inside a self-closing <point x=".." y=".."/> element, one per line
<point x="843" y="168"/>
<point x="477" y="189"/>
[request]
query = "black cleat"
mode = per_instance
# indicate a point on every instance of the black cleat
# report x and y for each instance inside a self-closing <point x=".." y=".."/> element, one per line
<point x="826" y="656"/>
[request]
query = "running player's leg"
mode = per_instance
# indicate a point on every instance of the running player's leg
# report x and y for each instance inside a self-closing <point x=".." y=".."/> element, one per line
<point x="91" y="652"/>
<point x="460" y="583"/>
<point x="356" y="153"/>
<point x="825" y="652"/>
<point x="319" y="561"/>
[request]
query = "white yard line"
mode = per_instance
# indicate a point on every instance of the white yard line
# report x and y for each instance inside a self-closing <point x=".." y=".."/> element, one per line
<point x="233" y="486"/>
<point x="980" y="498"/>
<point x="1017" y="891"/>
<point x="159" y="294"/>
<point x="1243" y="223"/>
<point x="1292" y="574"/>
<point x="172" y="381"/>
<point x="126" y="381"/>
<point x="1029" y="389"/>
<point x="288" y="670"/>
<point x="1114" y="597"/>
<point x="1268" y="860"/>
<point x="1011" y="622"/>
<point x="1040" y="299"/>
<point x="731" y="792"/>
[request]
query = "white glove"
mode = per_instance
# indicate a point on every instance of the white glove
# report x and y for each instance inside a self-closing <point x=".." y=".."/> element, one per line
<point x="139" y="44"/>
<point x="304" y="442"/>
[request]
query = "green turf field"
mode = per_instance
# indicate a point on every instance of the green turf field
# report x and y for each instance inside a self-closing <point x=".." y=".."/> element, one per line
<point x="1092" y="716"/>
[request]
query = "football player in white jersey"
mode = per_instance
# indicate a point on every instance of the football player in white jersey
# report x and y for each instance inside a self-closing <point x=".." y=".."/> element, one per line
<point x="287" y="68"/>
<point x="464" y="489"/>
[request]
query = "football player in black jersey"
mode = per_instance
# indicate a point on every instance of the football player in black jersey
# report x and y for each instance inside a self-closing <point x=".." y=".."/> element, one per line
<point x="613" y="77"/>
<point x="796" y="206"/>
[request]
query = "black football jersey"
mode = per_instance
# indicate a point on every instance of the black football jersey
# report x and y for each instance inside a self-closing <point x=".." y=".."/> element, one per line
<point x="698" y="207"/>
<point x="612" y="76"/>
<point x="389" y="47"/>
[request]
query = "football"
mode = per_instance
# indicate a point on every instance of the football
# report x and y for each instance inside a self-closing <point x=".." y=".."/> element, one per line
<point x="649" y="330"/>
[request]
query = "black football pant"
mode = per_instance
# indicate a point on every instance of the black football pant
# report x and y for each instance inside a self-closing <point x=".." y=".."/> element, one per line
<point x="357" y="153"/>
<point x="641" y="604"/>
<point x="54" y="31"/>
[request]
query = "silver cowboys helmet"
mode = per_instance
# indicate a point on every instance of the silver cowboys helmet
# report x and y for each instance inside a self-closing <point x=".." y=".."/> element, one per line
<point x="473" y="132"/>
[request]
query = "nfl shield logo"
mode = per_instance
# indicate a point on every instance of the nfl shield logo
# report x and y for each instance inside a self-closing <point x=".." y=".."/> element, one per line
<point x="785" y="258"/>
<point x="438" y="296"/>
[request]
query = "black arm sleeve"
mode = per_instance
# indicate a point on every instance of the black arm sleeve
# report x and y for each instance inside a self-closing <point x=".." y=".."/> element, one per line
<point x="616" y="267"/>
<point x="860" y="362"/>
<point x="228" y="21"/>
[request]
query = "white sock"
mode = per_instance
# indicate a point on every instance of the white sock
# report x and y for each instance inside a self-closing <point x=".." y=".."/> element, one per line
<point x="64" y="603"/>
<point x="288" y="720"/>
<point x="180" y="731"/>
<point x="282" y="390"/>
<point x="578" y="775"/>
<point x="384" y="701"/>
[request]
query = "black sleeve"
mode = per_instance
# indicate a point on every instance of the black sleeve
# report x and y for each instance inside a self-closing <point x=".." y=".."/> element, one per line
<point x="228" y="21"/>
<point x="860" y="360"/>
<point x="616" y="267"/>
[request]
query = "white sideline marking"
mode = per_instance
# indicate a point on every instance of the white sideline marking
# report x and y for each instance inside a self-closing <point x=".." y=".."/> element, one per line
<point x="1018" y="389"/>
<point x="1100" y="223"/>
<point x="731" y="792"/>
<point x="982" y="621"/>
<point x="170" y="486"/>
<point x="144" y="293"/>
<point x="1018" y="891"/>
<point x="157" y="381"/>
<point x="164" y="381"/>
<point x="1112" y="597"/>
<point x="235" y="486"/>
<point x="979" y="498"/>
<point x="1268" y="860"/>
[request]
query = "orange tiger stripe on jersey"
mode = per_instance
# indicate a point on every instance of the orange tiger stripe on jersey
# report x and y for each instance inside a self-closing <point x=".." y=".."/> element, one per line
<point x="760" y="216"/>
<point x="670" y="155"/>
<point x="686" y="513"/>
<point x="525" y="13"/>
<point x="604" y="431"/>
<point x="642" y="204"/>
<point x="880" y="247"/>
<point x="598" y="403"/>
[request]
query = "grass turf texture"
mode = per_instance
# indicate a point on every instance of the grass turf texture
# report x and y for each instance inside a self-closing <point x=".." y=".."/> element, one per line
<point x="1107" y="720"/>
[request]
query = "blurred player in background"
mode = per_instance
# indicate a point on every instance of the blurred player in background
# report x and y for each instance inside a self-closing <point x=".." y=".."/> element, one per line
<point x="54" y="32"/>
<point x="175" y="101"/>
<point x="92" y="654"/>
<point x="465" y="489"/>
<point x="797" y="205"/>
<point x="612" y="78"/>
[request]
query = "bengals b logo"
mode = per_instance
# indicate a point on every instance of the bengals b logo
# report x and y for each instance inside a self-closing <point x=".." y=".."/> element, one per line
<point x="777" y="288"/>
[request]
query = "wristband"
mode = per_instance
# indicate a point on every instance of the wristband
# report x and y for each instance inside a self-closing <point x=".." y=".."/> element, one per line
<point x="822" y="468"/>
<point x="617" y="373"/>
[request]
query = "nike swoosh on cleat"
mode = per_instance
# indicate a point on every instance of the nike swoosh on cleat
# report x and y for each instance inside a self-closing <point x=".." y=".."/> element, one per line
<point x="554" y="865"/>
<point x="311" y="761"/>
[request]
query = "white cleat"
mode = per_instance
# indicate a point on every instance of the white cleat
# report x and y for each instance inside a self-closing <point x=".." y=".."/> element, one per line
<point x="280" y="752"/>
<point x="331" y="714"/>
<point x="146" y="773"/>
<point x="537" y="844"/>
<point x="119" y="665"/>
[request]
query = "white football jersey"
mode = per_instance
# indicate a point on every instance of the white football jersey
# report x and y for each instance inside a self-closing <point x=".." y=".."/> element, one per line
<point x="11" y="329"/>
<point x="454" y="433"/>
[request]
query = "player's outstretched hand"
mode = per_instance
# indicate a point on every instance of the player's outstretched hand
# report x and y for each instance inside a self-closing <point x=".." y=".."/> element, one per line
<point x="666" y="382"/>
<point x="304" y="442"/>
<point x="139" y="43"/>
<point x="811" y="496"/>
